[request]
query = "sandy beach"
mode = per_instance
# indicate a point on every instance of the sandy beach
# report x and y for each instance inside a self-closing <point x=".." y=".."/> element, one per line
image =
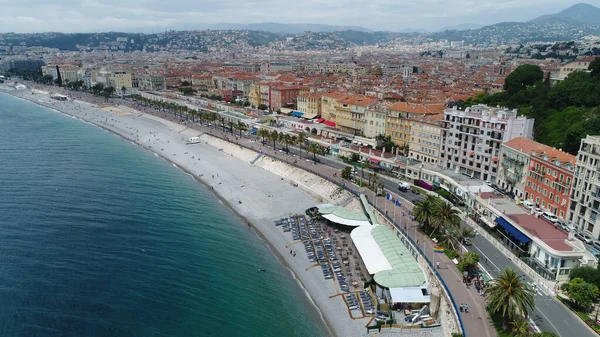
<point x="253" y="191"/>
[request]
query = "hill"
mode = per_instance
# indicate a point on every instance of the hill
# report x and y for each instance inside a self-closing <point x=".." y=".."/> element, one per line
<point x="577" y="14"/>
<point x="285" y="28"/>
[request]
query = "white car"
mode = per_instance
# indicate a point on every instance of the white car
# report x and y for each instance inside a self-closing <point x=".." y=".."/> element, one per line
<point x="527" y="204"/>
<point x="584" y="237"/>
<point x="550" y="217"/>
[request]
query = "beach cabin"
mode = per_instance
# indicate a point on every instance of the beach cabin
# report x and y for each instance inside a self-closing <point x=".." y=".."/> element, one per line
<point x="194" y="140"/>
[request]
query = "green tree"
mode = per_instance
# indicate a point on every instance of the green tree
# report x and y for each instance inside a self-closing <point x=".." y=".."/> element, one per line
<point x="314" y="149"/>
<point x="510" y="296"/>
<point x="264" y="133"/>
<point x="468" y="262"/>
<point x="444" y="217"/>
<point x="301" y="140"/>
<point x="588" y="274"/>
<point x="595" y="67"/>
<point x="262" y="107"/>
<point x="522" y="77"/>
<point x="241" y="127"/>
<point x="347" y="172"/>
<point x="581" y="292"/>
<point x="423" y="210"/>
<point x="520" y="328"/>
<point x="274" y="136"/>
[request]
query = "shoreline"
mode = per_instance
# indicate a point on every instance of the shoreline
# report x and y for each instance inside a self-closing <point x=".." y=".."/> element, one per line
<point x="332" y="322"/>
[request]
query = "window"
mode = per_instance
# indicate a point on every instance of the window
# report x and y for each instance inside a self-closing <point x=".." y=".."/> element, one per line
<point x="551" y="195"/>
<point x="543" y="203"/>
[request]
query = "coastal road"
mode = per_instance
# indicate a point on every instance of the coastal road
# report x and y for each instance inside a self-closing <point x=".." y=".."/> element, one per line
<point x="549" y="313"/>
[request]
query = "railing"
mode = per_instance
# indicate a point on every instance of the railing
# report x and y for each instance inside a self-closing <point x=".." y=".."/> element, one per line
<point x="398" y="227"/>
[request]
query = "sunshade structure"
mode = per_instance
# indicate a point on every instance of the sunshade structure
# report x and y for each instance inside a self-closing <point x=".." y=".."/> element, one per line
<point x="342" y="216"/>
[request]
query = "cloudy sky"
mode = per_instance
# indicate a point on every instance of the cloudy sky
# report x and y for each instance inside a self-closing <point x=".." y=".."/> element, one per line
<point x="158" y="15"/>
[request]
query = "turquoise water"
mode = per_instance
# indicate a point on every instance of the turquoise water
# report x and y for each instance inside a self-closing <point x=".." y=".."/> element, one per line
<point x="100" y="238"/>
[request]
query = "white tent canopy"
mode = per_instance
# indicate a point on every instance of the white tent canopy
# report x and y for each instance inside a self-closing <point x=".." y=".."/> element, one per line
<point x="408" y="295"/>
<point x="369" y="250"/>
<point x="347" y="222"/>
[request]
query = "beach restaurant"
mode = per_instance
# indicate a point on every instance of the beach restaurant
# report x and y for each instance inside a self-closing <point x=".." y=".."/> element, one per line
<point x="399" y="279"/>
<point x="392" y="266"/>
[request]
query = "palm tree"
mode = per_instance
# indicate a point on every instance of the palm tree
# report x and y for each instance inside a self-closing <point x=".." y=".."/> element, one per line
<point x="424" y="209"/>
<point x="444" y="215"/>
<point x="241" y="127"/>
<point x="264" y="133"/>
<point x="231" y="124"/>
<point x="286" y="139"/>
<point x="509" y="295"/>
<point x="314" y="149"/>
<point x="302" y="137"/>
<point x="520" y="328"/>
<point x="274" y="136"/>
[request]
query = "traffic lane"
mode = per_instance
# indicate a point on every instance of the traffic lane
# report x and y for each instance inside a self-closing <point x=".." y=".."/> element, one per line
<point x="549" y="314"/>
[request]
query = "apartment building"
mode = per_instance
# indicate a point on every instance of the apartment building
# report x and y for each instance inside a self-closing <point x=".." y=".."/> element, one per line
<point x="119" y="80"/>
<point x="23" y="65"/>
<point x="426" y="138"/>
<point x="581" y="64"/>
<point x="549" y="180"/>
<point x="399" y="115"/>
<point x="329" y="103"/>
<point x="514" y="164"/>
<point x="375" y="116"/>
<point x="254" y="94"/>
<point x="584" y="209"/>
<point x="351" y="113"/>
<point x="471" y="138"/>
<point x="310" y="104"/>
<point x="282" y="96"/>
<point x="151" y="81"/>
<point x="249" y="68"/>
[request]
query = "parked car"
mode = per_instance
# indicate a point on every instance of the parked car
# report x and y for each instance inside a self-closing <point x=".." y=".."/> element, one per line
<point x="584" y="237"/>
<point x="527" y="204"/>
<point x="550" y="217"/>
<point x="537" y="210"/>
<point x="467" y="242"/>
<point x="560" y="224"/>
<point x="596" y="245"/>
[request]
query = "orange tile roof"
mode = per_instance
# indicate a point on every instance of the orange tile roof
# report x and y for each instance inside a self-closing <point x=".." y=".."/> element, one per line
<point x="528" y="146"/>
<point x="360" y="100"/>
<point x="411" y="107"/>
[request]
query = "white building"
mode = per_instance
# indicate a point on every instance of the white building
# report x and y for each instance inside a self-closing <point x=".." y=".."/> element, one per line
<point x="585" y="193"/>
<point x="471" y="138"/>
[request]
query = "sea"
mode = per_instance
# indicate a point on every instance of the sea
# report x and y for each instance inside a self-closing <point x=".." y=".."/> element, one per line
<point x="101" y="238"/>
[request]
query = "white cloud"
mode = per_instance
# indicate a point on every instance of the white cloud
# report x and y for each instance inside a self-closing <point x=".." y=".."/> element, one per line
<point x="147" y="15"/>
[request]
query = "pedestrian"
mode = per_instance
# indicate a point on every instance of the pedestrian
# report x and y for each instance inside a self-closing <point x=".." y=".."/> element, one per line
<point x="461" y="307"/>
<point x="438" y="264"/>
<point x="466" y="308"/>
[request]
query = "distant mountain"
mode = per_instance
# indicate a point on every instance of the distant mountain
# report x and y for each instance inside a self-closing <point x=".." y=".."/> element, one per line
<point x="464" y="26"/>
<point x="577" y="14"/>
<point x="286" y="28"/>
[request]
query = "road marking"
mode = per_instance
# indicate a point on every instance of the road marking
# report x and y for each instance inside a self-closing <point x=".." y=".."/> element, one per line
<point x="566" y="323"/>
<point x="490" y="261"/>
<point x="549" y="322"/>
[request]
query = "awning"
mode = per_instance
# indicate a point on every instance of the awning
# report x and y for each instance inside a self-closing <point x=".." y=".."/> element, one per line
<point x="409" y="295"/>
<point x="253" y="131"/>
<point x="297" y="113"/>
<point x="370" y="252"/>
<point x="320" y="120"/>
<point x="346" y="222"/>
<point x="374" y="160"/>
<point x="329" y="123"/>
<point x="512" y="230"/>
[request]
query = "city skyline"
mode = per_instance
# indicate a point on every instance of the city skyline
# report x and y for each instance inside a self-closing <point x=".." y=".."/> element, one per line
<point x="154" y="16"/>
